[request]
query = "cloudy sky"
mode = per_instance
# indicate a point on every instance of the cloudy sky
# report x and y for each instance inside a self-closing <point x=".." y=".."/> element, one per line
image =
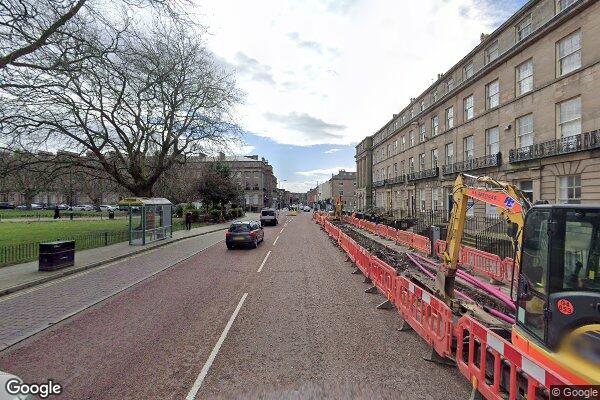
<point x="320" y="75"/>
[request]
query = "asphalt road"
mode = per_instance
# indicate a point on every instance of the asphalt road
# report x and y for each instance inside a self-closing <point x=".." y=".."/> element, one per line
<point x="239" y="324"/>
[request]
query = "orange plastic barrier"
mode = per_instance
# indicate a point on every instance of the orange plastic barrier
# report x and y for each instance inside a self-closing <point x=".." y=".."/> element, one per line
<point x="421" y="243"/>
<point x="440" y="248"/>
<point x="497" y="368"/>
<point x="482" y="262"/>
<point x="383" y="277"/>
<point x="363" y="260"/>
<point x="348" y="245"/>
<point x="426" y="314"/>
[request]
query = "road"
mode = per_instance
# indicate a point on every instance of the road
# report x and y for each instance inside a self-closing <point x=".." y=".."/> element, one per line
<point x="284" y="320"/>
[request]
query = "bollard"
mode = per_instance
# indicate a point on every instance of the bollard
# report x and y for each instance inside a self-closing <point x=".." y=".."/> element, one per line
<point x="435" y="236"/>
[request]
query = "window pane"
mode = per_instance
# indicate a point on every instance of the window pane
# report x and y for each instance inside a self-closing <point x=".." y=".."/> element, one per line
<point x="569" y="53"/>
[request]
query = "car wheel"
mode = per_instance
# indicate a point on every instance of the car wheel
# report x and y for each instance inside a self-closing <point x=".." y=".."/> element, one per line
<point x="254" y="244"/>
<point x="229" y="247"/>
<point x="276" y="222"/>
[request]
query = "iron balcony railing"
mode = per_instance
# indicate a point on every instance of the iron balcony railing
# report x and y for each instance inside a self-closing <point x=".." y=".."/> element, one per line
<point x="571" y="144"/>
<point x="492" y="160"/>
<point x="378" y="183"/>
<point x="400" y="179"/>
<point x="425" y="174"/>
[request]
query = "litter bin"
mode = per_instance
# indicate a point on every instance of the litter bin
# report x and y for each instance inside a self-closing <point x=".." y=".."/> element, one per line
<point x="56" y="255"/>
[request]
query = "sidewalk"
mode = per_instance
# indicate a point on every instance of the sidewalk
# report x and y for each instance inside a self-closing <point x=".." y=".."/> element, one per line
<point x="21" y="276"/>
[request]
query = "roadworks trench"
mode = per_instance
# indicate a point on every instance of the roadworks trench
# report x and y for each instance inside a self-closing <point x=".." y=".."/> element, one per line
<point x="405" y="267"/>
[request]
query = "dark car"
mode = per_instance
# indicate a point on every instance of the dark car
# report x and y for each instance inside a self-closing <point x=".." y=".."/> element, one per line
<point x="7" y="206"/>
<point x="244" y="233"/>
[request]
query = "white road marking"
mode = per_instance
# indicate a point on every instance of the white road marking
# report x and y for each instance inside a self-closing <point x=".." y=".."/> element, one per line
<point x="281" y="231"/>
<point x="213" y="354"/>
<point x="264" y="261"/>
<point x="275" y="242"/>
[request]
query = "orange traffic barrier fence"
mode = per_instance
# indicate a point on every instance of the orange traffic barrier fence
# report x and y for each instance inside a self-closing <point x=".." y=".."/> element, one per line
<point x="496" y="368"/>
<point x="383" y="277"/>
<point x="363" y="260"/>
<point x="421" y="243"/>
<point x="482" y="262"/>
<point x="440" y="248"/>
<point x="426" y="314"/>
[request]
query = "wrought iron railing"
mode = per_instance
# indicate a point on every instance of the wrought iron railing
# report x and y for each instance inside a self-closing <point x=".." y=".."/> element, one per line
<point x="492" y="160"/>
<point x="571" y="144"/>
<point x="400" y="179"/>
<point x="425" y="174"/>
<point x="378" y="183"/>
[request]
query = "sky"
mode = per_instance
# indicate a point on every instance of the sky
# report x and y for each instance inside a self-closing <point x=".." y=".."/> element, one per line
<point x="320" y="75"/>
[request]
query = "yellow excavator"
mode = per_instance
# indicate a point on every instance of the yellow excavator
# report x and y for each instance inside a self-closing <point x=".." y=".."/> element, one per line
<point x="557" y="252"/>
<point x="339" y="208"/>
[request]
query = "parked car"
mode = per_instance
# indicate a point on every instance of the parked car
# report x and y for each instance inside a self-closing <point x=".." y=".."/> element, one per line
<point x="7" y="206"/>
<point x="82" y="207"/>
<point x="269" y="216"/>
<point x="244" y="233"/>
<point x="107" y="207"/>
<point x="35" y="206"/>
<point x="63" y="206"/>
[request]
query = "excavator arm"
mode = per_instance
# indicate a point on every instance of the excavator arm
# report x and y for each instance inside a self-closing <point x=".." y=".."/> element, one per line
<point x="512" y="205"/>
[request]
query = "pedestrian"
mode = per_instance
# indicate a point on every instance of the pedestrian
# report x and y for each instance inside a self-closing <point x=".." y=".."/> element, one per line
<point x="188" y="220"/>
<point x="56" y="212"/>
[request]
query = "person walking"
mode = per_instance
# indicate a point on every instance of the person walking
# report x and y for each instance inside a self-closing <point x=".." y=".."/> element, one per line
<point x="188" y="220"/>
<point x="56" y="212"/>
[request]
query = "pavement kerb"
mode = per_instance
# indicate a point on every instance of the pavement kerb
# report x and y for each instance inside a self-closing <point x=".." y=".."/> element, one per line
<point x="13" y="289"/>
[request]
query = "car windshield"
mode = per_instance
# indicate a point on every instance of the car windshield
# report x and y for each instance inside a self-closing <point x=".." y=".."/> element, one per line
<point x="268" y="213"/>
<point x="239" y="228"/>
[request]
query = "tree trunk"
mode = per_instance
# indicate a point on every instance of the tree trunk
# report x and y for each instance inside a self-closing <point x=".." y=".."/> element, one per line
<point x="142" y="190"/>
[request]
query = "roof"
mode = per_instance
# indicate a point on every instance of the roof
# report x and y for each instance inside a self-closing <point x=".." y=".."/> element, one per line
<point x="138" y="201"/>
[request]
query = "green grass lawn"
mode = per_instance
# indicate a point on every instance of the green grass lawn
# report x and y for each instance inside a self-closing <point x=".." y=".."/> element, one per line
<point x="39" y="231"/>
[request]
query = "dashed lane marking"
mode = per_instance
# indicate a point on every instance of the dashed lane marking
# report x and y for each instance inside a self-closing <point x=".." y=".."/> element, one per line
<point x="264" y="261"/>
<point x="213" y="354"/>
<point x="275" y="242"/>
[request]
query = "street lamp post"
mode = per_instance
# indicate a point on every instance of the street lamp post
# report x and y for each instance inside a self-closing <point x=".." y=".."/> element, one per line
<point x="279" y="194"/>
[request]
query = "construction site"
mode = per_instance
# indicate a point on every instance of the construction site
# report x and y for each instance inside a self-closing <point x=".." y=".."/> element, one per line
<point x="514" y="327"/>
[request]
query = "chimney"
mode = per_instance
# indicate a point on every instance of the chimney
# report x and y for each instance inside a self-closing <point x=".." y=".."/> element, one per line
<point x="440" y="76"/>
<point x="483" y="37"/>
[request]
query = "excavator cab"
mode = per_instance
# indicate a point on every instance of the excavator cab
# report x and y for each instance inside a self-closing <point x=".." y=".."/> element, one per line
<point x="558" y="297"/>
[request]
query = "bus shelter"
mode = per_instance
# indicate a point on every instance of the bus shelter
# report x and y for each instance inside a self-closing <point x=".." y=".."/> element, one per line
<point x="150" y="219"/>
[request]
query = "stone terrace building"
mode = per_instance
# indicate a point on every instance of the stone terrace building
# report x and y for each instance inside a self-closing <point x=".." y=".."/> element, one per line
<point x="343" y="185"/>
<point x="522" y="106"/>
<point x="254" y="175"/>
<point x="364" y="174"/>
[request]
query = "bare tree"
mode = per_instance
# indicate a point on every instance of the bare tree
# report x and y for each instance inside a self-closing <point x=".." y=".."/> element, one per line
<point x="27" y="26"/>
<point x="157" y="98"/>
<point x="28" y="182"/>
